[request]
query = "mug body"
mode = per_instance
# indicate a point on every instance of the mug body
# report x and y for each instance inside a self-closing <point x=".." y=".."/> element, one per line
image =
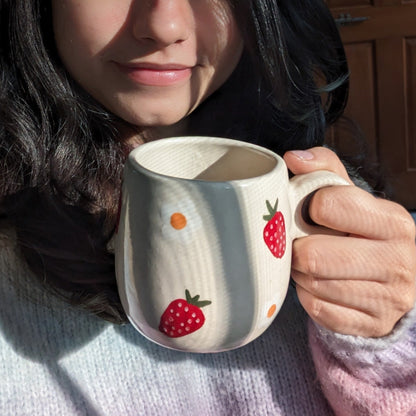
<point x="203" y="248"/>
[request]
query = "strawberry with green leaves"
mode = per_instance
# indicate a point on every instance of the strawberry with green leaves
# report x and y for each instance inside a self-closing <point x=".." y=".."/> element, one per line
<point x="183" y="316"/>
<point x="274" y="233"/>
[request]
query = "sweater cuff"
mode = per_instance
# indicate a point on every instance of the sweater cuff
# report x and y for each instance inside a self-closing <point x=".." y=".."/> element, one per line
<point x="375" y="359"/>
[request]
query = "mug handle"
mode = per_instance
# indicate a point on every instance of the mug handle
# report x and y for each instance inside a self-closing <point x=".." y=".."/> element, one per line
<point x="300" y="187"/>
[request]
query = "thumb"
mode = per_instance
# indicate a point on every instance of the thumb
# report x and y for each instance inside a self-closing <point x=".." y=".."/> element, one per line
<point x="316" y="158"/>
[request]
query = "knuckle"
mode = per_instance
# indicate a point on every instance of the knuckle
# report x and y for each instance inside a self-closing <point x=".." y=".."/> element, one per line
<point x="310" y="259"/>
<point x="394" y="302"/>
<point x="405" y="225"/>
<point x="315" y="310"/>
<point x="401" y="296"/>
<point x="409" y="302"/>
<point x="380" y="328"/>
<point x="402" y="264"/>
<point x="322" y="205"/>
<point x="408" y="228"/>
<point x="406" y="301"/>
<point x="314" y="284"/>
<point x="402" y="273"/>
<point x="330" y="160"/>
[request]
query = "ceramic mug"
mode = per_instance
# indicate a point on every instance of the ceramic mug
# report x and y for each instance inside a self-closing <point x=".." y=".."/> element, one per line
<point x="203" y="245"/>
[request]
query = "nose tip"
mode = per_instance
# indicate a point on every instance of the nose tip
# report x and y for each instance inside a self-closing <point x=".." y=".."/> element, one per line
<point x="164" y="22"/>
<point x="165" y="34"/>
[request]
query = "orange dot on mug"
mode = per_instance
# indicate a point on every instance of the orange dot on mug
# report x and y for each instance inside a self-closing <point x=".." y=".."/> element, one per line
<point x="178" y="221"/>
<point x="271" y="311"/>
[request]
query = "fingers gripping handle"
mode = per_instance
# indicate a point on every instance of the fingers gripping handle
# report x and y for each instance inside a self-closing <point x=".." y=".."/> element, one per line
<point x="300" y="186"/>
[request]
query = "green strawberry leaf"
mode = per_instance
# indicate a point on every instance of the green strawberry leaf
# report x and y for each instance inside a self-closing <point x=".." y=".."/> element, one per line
<point x="272" y="210"/>
<point x="195" y="300"/>
<point x="203" y="303"/>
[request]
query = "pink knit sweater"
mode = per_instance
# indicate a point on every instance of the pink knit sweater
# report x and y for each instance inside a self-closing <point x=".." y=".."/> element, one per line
<point x="367" y="376"/>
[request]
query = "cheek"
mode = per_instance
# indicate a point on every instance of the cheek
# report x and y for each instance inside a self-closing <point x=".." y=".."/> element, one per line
<point x="86" y="27"/>
<point x="221" y="40"/>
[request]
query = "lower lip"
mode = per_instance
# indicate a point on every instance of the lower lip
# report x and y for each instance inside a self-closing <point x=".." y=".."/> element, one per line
<point x="156" y="77"/>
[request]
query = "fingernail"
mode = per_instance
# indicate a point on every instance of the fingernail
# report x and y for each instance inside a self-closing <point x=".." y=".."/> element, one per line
<point x="303" y="154"/>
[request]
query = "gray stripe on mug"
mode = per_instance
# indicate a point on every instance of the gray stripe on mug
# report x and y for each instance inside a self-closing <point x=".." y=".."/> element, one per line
<point x="140" y="203"/>
<point x="224" y="205"/>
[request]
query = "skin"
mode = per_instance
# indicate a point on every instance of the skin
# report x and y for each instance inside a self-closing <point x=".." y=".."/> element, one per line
<point x="359" y="284"/>
<point x="102" y="42"/>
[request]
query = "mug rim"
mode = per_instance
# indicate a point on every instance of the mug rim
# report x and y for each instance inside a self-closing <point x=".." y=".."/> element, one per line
<point x="132" y="157"/>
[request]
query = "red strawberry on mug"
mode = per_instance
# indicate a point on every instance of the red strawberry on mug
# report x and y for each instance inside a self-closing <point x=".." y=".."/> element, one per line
<point x="274" y="233"/>
<point x="183" y="316"/>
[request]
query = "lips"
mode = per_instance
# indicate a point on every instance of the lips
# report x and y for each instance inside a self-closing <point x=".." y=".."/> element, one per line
<point x="156" y="75"/>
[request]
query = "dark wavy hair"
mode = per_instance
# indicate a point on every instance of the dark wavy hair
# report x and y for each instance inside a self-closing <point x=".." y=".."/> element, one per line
<point x="61" y="157"/>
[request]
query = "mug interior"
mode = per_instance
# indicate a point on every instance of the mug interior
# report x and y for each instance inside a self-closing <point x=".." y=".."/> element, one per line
<point x="204" y="158"/>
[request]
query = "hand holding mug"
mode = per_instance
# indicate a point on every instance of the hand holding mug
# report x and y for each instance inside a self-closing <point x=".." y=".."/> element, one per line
<point x="363" y="281"/>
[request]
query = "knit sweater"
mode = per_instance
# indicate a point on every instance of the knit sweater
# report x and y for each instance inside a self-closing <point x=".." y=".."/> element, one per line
<point x="58" y="360"/>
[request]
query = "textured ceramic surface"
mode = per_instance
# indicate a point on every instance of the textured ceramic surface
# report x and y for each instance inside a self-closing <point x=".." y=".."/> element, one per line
<point x="203" y="249"/>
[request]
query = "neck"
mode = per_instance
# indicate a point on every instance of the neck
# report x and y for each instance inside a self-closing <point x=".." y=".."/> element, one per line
<point x="136" y="138"/>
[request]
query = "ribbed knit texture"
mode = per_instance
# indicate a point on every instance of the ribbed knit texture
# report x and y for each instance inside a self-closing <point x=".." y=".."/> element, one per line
<point x="362" y="376"/>
<point x="55" y="360"/>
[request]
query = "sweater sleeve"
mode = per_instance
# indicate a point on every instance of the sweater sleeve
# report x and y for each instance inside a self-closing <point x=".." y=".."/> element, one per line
<point x="367" y="376"/>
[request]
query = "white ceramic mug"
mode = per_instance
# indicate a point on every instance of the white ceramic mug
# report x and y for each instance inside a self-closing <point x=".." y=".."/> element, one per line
<point x="204" y="241"/>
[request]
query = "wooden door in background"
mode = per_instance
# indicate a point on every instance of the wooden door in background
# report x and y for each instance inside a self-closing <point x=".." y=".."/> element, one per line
<point x="380" y="42"/>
